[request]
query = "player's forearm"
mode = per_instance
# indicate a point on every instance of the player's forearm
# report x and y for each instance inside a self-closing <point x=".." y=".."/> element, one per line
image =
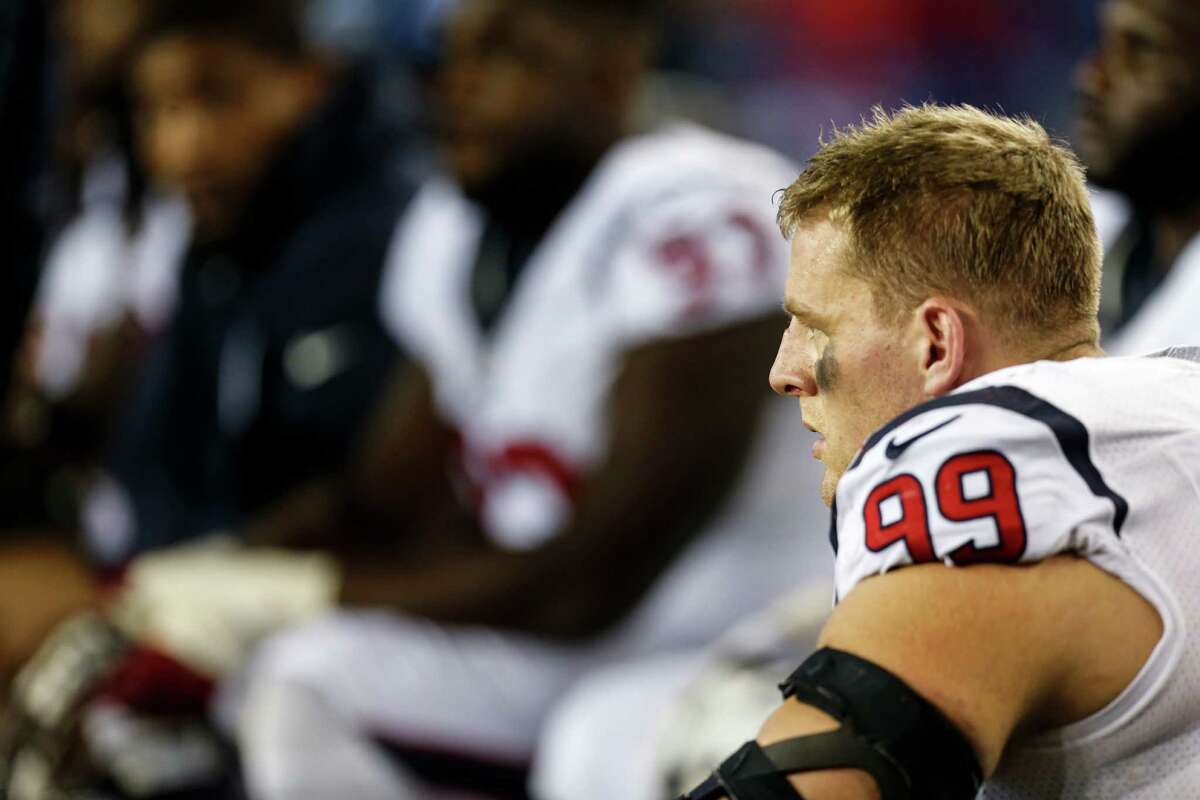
<point x="473" y="587"/>
<point x="672" y="461"/>
<point x="387" y="491"/>
<point x="306" y="518"/>
<point x="324" y="515"/>
<point x="580" y="583"/>
<point x="794" y="719"/>
<point x="393" y="481"/>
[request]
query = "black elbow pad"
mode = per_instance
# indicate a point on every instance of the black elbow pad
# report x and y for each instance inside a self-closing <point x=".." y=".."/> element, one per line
<point x="887" y="730"/>
<point x="748" y="774"/>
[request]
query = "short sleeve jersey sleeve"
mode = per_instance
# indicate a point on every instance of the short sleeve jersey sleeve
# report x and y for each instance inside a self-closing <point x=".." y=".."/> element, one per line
<point x="696" y="260"/>
<point x="995" y="475"/>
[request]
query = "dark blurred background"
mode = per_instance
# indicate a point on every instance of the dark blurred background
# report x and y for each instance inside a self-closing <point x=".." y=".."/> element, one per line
<point x="780" y="71"/>
<point x="788" y="68"/>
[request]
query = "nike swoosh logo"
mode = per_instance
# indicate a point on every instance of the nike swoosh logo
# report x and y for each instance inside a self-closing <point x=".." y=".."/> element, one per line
<point x="896" y="449"/>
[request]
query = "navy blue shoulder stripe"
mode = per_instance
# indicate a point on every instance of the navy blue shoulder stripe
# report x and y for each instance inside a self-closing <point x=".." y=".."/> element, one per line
<point x="1072" y="435"/>
<point x="833" y="534"/>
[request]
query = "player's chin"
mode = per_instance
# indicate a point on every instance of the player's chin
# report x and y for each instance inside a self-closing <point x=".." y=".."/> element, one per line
<point x="211" y="219"/>
<point x="471" y="162"/>
<point x="829" y="486"/>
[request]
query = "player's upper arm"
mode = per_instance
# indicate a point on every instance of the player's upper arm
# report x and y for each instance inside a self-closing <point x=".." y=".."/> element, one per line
<point x="1032" y="633"/>
<point x="688" y="295"/>
<point x="674" y="336"/>
<point x="998" y="650"/>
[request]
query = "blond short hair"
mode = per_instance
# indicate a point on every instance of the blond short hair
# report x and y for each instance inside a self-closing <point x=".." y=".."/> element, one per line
<point x="954" y="200"/>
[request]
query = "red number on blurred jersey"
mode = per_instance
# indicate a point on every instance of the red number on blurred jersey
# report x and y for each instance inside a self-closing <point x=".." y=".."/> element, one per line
<point x="688" y="257"/>
<point x="760" y="239"/>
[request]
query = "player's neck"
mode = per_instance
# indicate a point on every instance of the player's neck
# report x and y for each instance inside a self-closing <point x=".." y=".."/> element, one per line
<point x="1080" y="349"/>
<point x="534" y="193"/>
<point x="1072" y="345"/>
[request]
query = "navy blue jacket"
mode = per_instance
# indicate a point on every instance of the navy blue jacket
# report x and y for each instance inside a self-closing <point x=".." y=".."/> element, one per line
<point x="276" y="354"/>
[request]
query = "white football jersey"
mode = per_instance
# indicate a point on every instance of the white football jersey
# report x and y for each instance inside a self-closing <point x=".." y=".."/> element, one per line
<point x="1169" y="315"/>
<point x="673" y="233"/>
<point x="1099" y="457"/>
<point x="96" y="271"/>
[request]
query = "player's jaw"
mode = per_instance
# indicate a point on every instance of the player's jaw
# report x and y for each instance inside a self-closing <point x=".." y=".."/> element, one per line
<point x="822" y="449"/>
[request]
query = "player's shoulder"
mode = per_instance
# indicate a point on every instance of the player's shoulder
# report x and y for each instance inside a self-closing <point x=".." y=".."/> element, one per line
<point x="1067" y="401"/>
<point x="684" y="183"/>
<point x="1010" y="408"/>
<point x="692" y="218"/>
<point x="682" y="156"/>
<point x="987" y="433"/>
<point x="1038" y="441"/>
<point x="1002" y="470"/>
<point x="657" y="174"/>
<point x="687" y="141"/>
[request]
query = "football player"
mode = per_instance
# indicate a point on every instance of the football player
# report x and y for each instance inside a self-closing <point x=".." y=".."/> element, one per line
<point x="583" y="302"/>
<point x="588" y="307"/>
<point x="1138" y="122"/>
<point x="1014" y="515"/>
<point x="273" y="356"/>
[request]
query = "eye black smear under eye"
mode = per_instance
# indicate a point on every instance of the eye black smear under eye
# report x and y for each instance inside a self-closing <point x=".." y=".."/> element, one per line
<point x="825" y="371"/>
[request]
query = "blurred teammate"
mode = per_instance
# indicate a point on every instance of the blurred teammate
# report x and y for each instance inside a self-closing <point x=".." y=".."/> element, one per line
<point x="1014" y="546"/>
<point x="588" y="310"/>
<point x="275" y="353"/>
<point x="558" y="482"/>
<point x="109" y="277"/>
<point x="1139" y="119"/>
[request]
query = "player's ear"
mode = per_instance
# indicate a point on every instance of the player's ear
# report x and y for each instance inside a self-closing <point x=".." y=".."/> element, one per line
<point x="940" y="335"/>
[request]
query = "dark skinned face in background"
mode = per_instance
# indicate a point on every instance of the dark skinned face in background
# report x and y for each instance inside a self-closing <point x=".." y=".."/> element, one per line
<point x="1140" y="97"/>
<point x="517" y="88"/>
<point x="212" y="112"/>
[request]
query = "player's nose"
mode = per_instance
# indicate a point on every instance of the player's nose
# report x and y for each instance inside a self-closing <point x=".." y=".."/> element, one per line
<point x="791" y="374"/>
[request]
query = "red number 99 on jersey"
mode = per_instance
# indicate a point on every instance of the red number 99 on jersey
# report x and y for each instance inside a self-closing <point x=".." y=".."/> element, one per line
<point x="969" y="486"/>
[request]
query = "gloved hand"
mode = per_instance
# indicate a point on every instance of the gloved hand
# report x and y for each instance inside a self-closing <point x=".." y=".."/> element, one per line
<point x="41" y="754"/>
<point x="204" y="605"/>
<point x="92" y="709"/>
<point x="208" y="603"/>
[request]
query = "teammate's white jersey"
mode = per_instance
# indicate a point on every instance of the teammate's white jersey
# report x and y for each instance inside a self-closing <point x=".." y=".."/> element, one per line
<point x="1099" y="457"/>
<point x="1169" y="315"/>
<point x="673" y="233"/>
<point x="96" y="272"/>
